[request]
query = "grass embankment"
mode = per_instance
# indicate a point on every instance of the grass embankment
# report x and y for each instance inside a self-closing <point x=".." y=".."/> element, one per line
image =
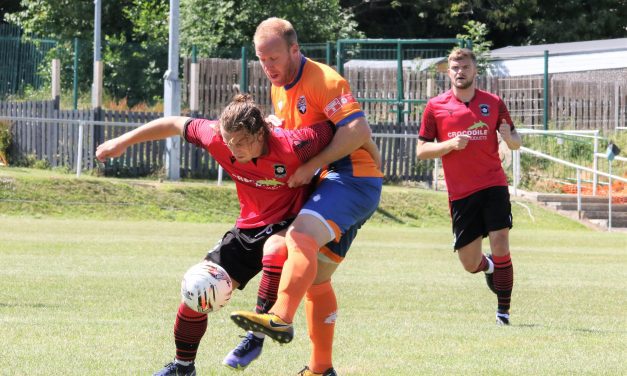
<point x="29" y="192"/>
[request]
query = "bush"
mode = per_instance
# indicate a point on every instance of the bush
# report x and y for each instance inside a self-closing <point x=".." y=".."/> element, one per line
<point x="31" y="161"/>
<point x="5" y="141"/>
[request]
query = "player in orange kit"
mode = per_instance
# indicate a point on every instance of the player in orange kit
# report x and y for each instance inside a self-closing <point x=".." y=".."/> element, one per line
<point x="305" y="92"/>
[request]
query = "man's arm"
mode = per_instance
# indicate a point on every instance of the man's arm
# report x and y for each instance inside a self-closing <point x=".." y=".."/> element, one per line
<point x="347" y="139"/>
<point x="510" y="136"/>
<point x="157" y="129"/>
<point x="373" y="150"/>
<point x="430" y="150"/>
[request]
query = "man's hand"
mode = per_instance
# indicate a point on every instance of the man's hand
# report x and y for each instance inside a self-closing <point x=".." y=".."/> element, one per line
<point x="511" y="138"/>
<point x="459" y="142"/>
<point x="302" y="176"/>
<point x="506" y="131"/>
<point x="110" y="149"/>
<point x="274" y="121"/>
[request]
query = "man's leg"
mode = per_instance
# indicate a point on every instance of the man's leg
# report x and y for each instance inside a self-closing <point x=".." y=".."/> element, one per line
<point x="471" y="257"/>
<point x="503" y="278"/>
<point x="321" y="312"/>
<point x="274" y="256"/>
<point x="306" y="235"/>
<point x="249" y="349"/>
<point x="303" y="240"/>
<point x="189" y="328"/>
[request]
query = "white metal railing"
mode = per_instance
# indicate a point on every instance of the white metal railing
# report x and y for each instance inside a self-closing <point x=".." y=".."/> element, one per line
<point x="579" y="168"/>
<point x="594" y="134"/>
<point x="81" y="131"/>
<point x="81" y="126"/>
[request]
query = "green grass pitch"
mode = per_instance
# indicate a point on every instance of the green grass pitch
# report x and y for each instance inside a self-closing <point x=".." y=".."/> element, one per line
<point x="94" y="297"/>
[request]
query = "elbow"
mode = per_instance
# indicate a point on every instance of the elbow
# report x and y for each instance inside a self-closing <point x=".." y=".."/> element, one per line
<point x="360" y="130"/>
<point x="515" y="145"/>
<point x="365" y="134"/>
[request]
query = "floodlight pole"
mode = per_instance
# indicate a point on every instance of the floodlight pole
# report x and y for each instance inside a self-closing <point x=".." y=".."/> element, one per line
<point x="172" y="93"/>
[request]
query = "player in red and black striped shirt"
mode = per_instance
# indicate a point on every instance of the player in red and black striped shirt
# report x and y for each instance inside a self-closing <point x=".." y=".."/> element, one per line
<point x="465" y="121"/>
<point x="260" y="160"/>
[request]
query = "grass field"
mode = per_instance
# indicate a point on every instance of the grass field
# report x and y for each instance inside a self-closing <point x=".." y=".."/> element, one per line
<point x="98" y="297"/>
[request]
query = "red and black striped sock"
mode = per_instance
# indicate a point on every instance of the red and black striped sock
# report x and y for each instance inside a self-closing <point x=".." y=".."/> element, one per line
<point x="483" y="265"/>
<point x="189" y="328"/>
<point x="269" y="285"/>
<point x="503" y="281"/>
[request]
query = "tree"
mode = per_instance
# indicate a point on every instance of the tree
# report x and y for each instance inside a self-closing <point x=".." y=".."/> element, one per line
<point x="507" y="20"/>
<point x="137" y="59"/>
<point x="232" y="22"/>
<point x="476" y="33"/>
<point x="135" y="34"/>
<point x="579" y="20"/>
<point x="134" y="48"/>
<point x="510" y="22"/>
<point x="8" y="6"/>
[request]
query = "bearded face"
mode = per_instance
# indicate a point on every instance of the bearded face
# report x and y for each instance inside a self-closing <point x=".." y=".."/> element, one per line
<point x="462" y="73"/>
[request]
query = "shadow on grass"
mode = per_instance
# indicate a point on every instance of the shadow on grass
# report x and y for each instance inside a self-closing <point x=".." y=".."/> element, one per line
<point x="36" y="305"/>
<point x="580" y="330"/>
<point x="390" y="216"/>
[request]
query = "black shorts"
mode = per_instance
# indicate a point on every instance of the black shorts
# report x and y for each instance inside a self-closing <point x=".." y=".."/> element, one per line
<point x="476" y="215"/>
<point x="241" y="249"/>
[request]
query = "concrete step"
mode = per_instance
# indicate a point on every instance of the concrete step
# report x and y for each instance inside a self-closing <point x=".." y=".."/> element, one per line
<point x="556" y="197"/>
<point x="618" y="224"/>
<point x="619" y="208"/>
<point x="616" y="216"/>
<point x="594" y="208"/>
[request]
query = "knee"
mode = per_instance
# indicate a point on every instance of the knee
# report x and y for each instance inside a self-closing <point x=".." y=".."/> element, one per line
<point x="302" y="242"/>
<point x="275" y="246"/>
<point x="499" y="244"/>
<point x="470" y="267"/>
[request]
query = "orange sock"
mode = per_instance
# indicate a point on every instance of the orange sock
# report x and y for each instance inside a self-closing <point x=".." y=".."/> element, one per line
<point x="321" y="308"/>
<point x="298" y="274"/>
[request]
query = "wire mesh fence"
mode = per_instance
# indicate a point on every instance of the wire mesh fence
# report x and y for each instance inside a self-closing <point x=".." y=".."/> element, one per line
<point x="21" y="60"/>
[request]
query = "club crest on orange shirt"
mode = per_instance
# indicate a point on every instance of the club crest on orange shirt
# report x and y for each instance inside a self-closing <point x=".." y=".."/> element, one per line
<point x="302" y="104"/>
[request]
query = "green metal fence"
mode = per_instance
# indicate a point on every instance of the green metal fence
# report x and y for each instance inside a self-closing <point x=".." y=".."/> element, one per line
<point x="395" y="52"/>
<point x="21" y="57"/>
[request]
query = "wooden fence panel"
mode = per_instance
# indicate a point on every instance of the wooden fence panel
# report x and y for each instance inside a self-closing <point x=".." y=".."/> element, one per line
<point x="575" y="102"/>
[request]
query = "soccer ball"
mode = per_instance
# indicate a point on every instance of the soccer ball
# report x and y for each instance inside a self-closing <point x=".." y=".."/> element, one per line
<point x="206" y="287"/>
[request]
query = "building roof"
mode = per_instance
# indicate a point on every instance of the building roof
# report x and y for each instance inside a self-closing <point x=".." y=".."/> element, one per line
<point x="563" y="57"/>
<point x="591" y="46"/>
<point x="584" y="56"/>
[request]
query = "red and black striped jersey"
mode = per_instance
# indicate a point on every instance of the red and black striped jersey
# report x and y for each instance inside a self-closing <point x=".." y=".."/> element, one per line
<point x="478" y="166"/>
<point x="261" y="183"/>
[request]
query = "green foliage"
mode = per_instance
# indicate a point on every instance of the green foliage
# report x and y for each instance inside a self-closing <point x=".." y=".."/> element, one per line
<point x="233" y="22"/>
<point x="477" y="33"/>
<point x="136" y="61"/>
<point x="577" y="20"/>
<point x="543" y="175"/>
<point x="134" y="47"/>
<point x="135" y="35"/>
<point x="31" y="161"/>
<point x="6" y="139"/>
<point x="510" y="22"/>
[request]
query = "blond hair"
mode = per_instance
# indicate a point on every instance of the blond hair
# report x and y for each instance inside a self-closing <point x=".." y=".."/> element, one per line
<point x="275" y="26"/>
<point x="462" y="53"/>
